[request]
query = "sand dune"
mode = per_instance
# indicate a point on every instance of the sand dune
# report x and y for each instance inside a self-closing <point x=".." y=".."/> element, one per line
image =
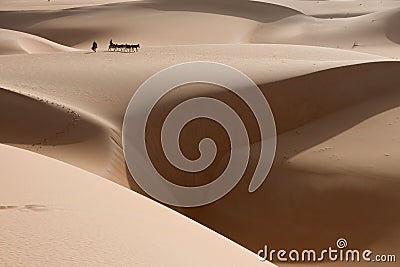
<point x="330" y="168"/>
<point x="131" y="22"/>
<point x="12" y="42"/>
<point x="69" y="217"/>
<point x="55" y="130"/>
<point x="154" y="22"/>
<point x="91" y="100"/>
<point x="23" y="5"/>
<point x="329" y="70"/>
<point x="337" y="9"/>
<point x="372" y="33"/>
<point x="167" y="23"/>
<point x="315" y="93"/>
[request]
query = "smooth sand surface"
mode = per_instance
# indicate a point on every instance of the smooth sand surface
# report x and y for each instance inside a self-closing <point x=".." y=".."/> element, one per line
<point x="12" y="42"/>
<point x="54" y="214"/>
<point x="329" y="70"/>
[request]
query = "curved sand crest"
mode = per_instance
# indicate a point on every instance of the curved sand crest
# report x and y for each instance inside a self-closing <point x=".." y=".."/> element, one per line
<point x="169" y="22"/>
<point x="71" y="217"/>
<point x="54" y="129"/>
<point x="331" y="163"/>
<point x="105" y="81"/>
<point x="13" y="42"/>
<point x="21" y="5"/>
<point x="332" y="168"/>
<point x="337" y="9"/>
<point x="149" y="22"/>
<point x="375" y="33"/>
<point x="99" y="90"/>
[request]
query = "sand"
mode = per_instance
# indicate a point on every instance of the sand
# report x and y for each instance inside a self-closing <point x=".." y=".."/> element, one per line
<point x="56" y="214"/>
<point x="329" y="70"/>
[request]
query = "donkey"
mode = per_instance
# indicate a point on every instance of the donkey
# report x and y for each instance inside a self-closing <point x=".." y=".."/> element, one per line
<point x="120" y="47"/>
<point x="135" y="47"/>
<point x="112" y="46"/>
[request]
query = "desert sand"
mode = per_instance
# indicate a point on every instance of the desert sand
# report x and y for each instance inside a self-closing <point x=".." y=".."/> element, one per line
<point x="63" y="216"/>
<point x="329" y="70"/>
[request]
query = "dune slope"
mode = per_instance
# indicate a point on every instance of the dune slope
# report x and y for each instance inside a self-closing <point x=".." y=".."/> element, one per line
<point x="155" y="23"/>
<point x="87" y="104"/>
<point x="77" y="219"/>
<point x="13" y="42"/>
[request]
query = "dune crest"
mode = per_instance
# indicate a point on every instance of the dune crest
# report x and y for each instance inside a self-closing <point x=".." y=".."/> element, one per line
<point x="13" y="42"/>
<point x="81" y="219"/>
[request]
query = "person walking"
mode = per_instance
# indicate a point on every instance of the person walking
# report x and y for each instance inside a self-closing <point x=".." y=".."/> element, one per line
<point x="94" y="46"/>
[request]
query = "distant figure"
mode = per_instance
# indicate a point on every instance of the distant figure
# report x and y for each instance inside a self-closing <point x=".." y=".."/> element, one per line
<point x="111" y="43"/>
<point x="94" y="46"/>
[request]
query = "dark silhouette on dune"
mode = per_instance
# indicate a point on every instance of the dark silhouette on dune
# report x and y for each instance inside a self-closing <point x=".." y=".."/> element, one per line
<point x="123" y="47"/>
<point x="94" y="46"/>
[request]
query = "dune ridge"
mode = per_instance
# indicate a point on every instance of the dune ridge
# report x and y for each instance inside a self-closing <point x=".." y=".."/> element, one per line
<point x="13" y="42"/>
<point x="167" y="23"/>
<point x="97" y="114"/>
<point x="60" y="221"/>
